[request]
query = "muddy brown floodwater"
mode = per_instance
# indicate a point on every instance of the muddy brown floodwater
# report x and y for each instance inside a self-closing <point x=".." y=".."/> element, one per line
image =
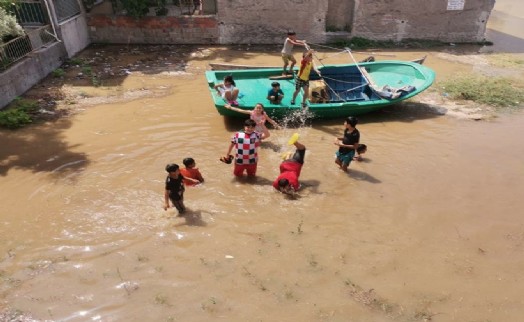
<point x="428" y="227"/>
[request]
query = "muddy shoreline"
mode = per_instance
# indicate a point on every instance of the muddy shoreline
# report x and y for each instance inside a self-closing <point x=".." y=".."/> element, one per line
<point x="96" y="75"/>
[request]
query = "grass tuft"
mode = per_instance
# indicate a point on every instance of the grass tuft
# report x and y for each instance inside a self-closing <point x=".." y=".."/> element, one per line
<point x="492" y="91"/>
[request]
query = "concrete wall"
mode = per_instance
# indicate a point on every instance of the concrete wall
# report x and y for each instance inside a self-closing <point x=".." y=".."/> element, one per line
<point x="319" y="21"/>
<point x="29" y="71"/>
<point x="74" y="34"/>
<point x="267" y="22"/>
<point x="400" y="19"/>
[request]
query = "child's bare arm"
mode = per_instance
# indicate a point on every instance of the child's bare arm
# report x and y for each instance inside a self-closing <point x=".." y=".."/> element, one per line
<point x="231" y="145"/>
<point x="217" y="86"/>
<point x="191" y="179"/>
<point x="270" y="120"/>
<point x="239" y="110"/>
<point x="199" y="176"/>
<point x="298" y="42"/>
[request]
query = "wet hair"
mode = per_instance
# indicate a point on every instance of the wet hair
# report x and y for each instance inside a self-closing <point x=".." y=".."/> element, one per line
<point x="172" y="167"/>
<point x="283" y="183"/>
<point x="362" y="148"/>
<point x="351" y="120"/>
<point x="275" y="84"/>
<point x="291" y="33"/>
<point x="229" y="78"/>
<point x="188" y="161"/>
<point x="250" y="122"/>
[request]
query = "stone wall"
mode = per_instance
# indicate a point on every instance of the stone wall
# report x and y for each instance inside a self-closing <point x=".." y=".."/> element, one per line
<point x="320" y="21"/>
<point x="29" y="71"/>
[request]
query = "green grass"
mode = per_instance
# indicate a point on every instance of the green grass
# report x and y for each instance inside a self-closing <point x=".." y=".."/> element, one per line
<point x="59" y="72"/>
<point x="19" y="114"/>
<point x="506" y="61"/>
<point x="492" y="91"/>
<point x="76" y="61"/>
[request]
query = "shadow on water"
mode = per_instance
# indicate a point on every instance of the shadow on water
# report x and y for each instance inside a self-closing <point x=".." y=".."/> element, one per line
<point x="407" y="112"/>
<point x="257" y="180"/>
<point x="362" y="176"/>
<point x="25" y="148"/>
<point x="271" y="146"/>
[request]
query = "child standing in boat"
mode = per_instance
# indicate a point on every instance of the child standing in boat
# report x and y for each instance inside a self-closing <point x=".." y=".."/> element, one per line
<point x="228" y="90"/>
<point x="258" y="115"/>
<point x="302" y="79"/>
<point x="287" y="51"/>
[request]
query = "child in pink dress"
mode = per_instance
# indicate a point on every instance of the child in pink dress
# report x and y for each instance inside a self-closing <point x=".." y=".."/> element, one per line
<point x="258" y="115"/>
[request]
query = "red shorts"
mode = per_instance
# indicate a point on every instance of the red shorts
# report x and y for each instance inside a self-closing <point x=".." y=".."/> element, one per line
<point x="250" y="168"/>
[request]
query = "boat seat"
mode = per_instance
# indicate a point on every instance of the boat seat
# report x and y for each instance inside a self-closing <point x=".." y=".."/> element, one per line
<point x="348" y="96"/>
<point x="340" y="83"/>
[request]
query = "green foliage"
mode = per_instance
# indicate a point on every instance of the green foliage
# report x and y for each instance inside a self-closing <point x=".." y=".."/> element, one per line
<point x="59" y="72"/>
<point x="493" y="91"/>
<point x="95" y="81"/>
<point x="8" y="25"/>
<point x="135" y="8"/>
<point x="161" y="9"/>
<point x="4" y="62"/>
<point x="8" y="5"/>
<point x="76" y="61"/>
<point x="14" y="118"/>
<point x="87" y="70"/>
<point x="19" y="115"/>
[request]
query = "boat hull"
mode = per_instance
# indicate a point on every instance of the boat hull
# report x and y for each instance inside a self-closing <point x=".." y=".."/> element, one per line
<point x="350" y="91"/>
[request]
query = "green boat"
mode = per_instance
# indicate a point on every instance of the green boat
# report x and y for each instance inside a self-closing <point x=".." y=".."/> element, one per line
<point x="352" y="89"/>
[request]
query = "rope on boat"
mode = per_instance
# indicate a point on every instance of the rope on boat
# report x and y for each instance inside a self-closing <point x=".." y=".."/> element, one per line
<point x="364" y="73"/>
<point x="319" y="60"/>
<point x="345" y="49"/>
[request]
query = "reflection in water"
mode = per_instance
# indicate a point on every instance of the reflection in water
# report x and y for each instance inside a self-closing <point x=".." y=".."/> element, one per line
<point x="428" y="222"/>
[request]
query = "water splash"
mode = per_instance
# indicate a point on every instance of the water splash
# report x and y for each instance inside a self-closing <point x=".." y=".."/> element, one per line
<point x="298" y="118"/>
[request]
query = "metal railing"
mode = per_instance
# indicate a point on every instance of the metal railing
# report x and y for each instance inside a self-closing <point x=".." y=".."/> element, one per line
<point x="66" y="9"/>
<point x="18" y="48"/>
<point x="31" y="13"/>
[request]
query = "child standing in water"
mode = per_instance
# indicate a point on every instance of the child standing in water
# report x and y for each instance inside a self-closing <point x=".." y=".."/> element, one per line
<point x="174" y="190"/>
<point x="246" y="144"/>
<point x="191" y="172"/>
<point x="258" y="115"/>
<point x="287" y="51"/>
<point x="347" y="144"/>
